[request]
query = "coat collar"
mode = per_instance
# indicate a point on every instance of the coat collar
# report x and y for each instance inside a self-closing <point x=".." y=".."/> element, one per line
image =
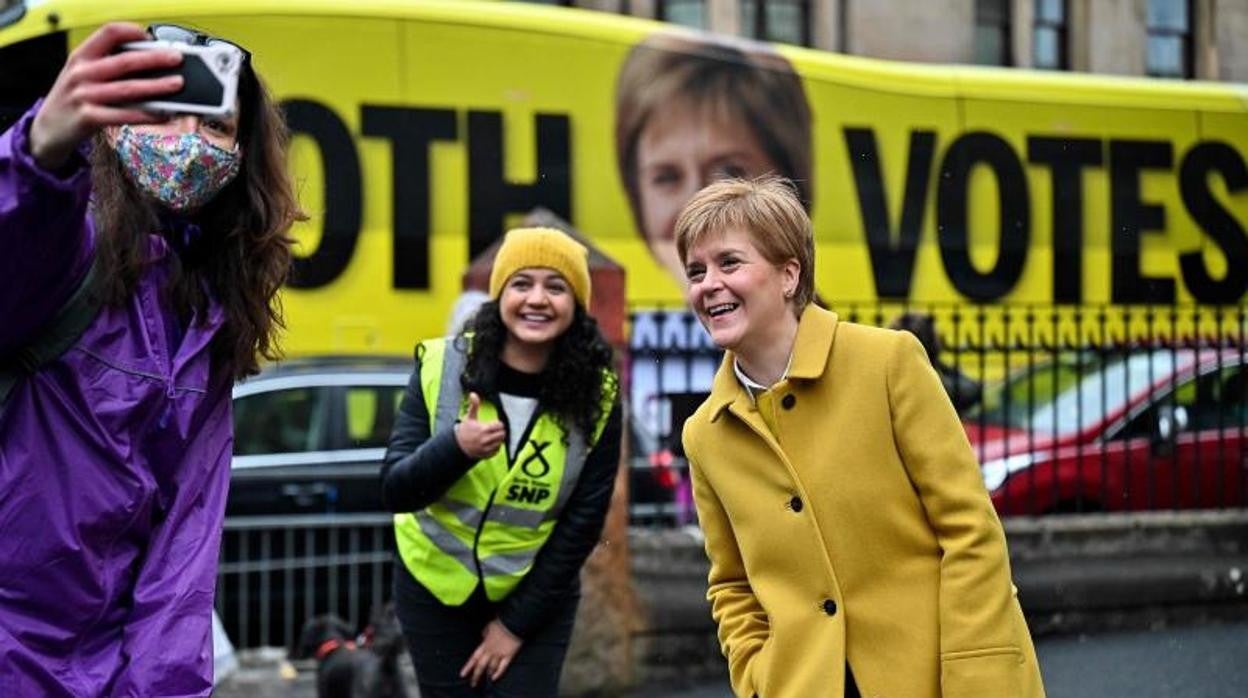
<point x="815" y="331"/>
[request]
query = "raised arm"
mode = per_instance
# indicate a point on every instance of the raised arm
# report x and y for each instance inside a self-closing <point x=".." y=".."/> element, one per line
<point x="45" y="234"/>
<point x="419" y="467"/>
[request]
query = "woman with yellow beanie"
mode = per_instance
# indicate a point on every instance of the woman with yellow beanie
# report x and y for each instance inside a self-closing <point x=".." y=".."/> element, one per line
<point x="500" y="471"/>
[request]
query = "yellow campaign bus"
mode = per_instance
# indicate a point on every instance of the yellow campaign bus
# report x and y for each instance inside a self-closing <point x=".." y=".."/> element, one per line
<point x="422" y="130"/>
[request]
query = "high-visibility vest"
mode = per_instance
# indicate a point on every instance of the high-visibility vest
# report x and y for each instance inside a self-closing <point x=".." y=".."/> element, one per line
<point x="491" y="523"/>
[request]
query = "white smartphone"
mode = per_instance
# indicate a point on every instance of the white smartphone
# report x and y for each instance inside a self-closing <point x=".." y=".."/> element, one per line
<point x="209" y="78"/>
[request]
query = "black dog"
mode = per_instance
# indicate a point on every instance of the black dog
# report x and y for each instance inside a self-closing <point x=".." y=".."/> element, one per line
<point x="346" y="668"/>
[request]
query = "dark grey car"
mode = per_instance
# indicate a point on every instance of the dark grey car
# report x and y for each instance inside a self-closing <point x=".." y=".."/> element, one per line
<point x="310" y="434"/>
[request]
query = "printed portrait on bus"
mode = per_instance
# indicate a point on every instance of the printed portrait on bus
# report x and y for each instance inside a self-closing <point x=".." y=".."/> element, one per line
<point x="691" y="109"/>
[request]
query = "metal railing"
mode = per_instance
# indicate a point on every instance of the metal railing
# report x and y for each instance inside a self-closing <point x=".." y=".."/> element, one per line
<point x="276" y="572"/>
<point x="1069" y="408"/>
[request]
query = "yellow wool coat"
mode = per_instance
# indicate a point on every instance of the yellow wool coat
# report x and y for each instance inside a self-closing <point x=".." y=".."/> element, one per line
<point x="845" y="518"/>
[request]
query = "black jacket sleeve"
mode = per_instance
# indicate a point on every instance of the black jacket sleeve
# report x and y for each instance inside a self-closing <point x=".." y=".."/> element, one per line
<point x="419" y="468"/>
<point x="555" y="577"/>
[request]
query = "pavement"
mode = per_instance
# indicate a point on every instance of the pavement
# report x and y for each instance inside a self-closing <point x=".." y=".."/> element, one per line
<point x="1196" y="661"/>
<point x="265" y="674"/>
<point x="1169" y="660"/>
<point x="1204" y="660"/>
<point x="1186" y="661"/>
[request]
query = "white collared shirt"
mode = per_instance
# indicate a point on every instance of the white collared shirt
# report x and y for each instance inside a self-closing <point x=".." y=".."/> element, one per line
<point x="753" y="387"/>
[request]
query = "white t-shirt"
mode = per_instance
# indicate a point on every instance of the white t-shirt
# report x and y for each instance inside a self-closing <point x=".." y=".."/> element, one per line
<point x="519" y="411"/>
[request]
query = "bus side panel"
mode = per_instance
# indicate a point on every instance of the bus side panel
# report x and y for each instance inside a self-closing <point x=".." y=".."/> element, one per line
<point x="872" y="144"/>
<point x="1117" y="151"/>
<point x="1219" y="172"/>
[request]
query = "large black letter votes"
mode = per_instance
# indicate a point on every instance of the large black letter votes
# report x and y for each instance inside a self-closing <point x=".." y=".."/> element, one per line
<point x="410" y="131"/>
<point x="491" y="197"/>
<point x="952" y="204"/>
<point x="892" y="255"/>
<point x="343" y="209"/>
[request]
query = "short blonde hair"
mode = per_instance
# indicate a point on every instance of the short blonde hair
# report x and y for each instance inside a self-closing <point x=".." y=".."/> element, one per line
<point x="738" y="80"/>
<point x="768" y="210"/>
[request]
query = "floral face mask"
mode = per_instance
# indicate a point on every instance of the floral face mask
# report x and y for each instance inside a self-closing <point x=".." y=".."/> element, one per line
<point x="183" y="171"/>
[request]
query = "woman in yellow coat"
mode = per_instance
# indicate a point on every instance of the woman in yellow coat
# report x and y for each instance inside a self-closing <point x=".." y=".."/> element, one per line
<point x="854" y="549"/>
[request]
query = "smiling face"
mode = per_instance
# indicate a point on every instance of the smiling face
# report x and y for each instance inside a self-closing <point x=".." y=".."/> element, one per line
<point x="537" y="306"/>
<point x="741" y="298"/>
<point x="682" y="149"/>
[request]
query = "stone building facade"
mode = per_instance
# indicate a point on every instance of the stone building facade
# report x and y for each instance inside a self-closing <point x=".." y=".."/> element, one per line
<point x="1192" y="39"/>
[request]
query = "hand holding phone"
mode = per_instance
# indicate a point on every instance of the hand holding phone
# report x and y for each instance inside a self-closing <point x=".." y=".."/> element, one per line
<point x="209" y="78"/>
<point x="96" y="89"/>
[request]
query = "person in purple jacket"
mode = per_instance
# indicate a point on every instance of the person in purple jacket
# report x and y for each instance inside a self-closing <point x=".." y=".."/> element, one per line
<point x="115" y="456"/>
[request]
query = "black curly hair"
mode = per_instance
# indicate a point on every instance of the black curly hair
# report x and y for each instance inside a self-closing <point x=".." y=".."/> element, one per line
<point x="572" y="385"/>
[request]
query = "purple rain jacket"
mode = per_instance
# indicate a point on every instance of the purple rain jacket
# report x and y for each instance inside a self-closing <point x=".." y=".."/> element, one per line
<point x="114" y="464"/>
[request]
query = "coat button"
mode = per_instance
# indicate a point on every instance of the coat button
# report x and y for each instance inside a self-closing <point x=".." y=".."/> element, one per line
<point x="829" y="607"/>
<point x="795" y="504"/>
<point x="788" y="401"/>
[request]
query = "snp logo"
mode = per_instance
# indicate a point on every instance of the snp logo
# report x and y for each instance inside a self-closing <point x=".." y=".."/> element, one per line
<point x="530" y="489"/>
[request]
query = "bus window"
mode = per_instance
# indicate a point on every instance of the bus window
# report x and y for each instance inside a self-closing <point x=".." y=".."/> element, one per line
<point x="30" y="68"/>
<point x="11" y="11"/>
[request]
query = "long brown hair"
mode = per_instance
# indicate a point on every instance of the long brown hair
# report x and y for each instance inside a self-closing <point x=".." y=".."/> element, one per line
<point x="243" y="255"/>
<point x="572" y="383"/>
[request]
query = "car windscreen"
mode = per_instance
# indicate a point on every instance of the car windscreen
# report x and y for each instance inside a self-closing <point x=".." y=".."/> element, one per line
<point x="1074" y="392"/>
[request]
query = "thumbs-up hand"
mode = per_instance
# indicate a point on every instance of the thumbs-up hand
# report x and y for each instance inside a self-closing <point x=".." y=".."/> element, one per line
<point x="476" y="438"/>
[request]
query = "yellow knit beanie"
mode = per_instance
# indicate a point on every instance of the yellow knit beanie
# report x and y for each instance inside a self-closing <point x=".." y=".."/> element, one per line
<point x="547" y="248"/>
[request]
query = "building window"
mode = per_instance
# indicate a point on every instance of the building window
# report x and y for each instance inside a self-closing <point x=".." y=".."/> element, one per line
<point x="992" y="32"/>
<point x="1169" y="39"/>
<point x="688" y="13"/>
<point x="786" y="21"/>
<point x="1048" y="42"/>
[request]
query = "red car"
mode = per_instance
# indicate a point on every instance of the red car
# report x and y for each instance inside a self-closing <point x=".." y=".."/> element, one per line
<point x="1150" y="430"/>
